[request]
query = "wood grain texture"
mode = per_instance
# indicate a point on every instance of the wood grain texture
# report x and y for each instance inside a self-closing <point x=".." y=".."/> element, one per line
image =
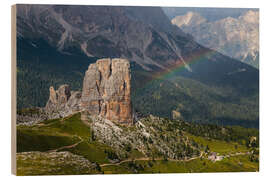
<point x="13" y="89"/>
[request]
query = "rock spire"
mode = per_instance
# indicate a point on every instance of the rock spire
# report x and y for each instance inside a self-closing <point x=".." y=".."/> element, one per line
<point x="106" y="90"/>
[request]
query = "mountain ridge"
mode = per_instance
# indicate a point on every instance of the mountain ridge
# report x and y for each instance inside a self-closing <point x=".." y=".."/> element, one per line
<point x="237" y="37"/>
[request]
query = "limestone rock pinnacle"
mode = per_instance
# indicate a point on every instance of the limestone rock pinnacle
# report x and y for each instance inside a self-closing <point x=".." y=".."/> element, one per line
<point x="63" y="102"/>
<point x="106" y="90"/>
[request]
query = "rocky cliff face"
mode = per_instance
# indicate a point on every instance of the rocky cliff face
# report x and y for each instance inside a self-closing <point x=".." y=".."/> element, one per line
<point x="63" y="102"/>
<point x="235" y="37"/>
<point x="141" y="34"/>
<point x="106" y="90"/>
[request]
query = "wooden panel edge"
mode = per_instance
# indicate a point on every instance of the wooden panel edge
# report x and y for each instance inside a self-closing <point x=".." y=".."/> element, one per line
<point x="13" y="89"/>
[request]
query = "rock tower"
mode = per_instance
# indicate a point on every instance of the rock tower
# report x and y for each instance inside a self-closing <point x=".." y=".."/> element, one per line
<point x="106" y="90"/>
<point x="63" y="102"/>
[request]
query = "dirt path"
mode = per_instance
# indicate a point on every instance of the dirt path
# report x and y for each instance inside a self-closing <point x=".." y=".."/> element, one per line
<point x="126" y="160"/>
<point x="237" y="154"/>
<point x="67" y="147"/>
<point x="176" y="160"/>
<point x="147" y="159"/>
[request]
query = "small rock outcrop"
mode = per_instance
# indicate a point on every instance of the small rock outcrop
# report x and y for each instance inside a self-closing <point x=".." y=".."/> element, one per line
<point x="59" y="98"/>
<point x="63" y="102"/>
<point x="106" y="90"/>
<point x="176" y="114"/>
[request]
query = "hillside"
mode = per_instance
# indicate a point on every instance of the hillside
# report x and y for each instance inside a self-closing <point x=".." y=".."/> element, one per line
<point x="69" y="146"/>
<point x="197" y="102"/>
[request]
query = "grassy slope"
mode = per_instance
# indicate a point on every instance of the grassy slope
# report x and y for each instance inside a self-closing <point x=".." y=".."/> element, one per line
<point x="43" y="163"/>
<point x="232" y="164"/>
<point x="56" y="133"/>
<point x="219" y="146"/>
<point x="53" y="134"/>
<point x="34" y="140"/>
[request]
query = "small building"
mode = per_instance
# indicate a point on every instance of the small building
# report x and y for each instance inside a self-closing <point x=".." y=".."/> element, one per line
<point x="214" y="157"/>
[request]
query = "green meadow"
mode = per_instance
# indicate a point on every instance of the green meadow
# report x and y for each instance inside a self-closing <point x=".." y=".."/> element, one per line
<point x="70" y="144"/>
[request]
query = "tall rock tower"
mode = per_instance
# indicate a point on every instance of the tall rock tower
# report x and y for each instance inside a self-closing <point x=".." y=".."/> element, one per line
<point x="106" y="90"/>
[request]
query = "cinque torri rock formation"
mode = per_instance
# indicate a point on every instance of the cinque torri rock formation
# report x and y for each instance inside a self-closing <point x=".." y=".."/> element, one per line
<point x="63" y="102"/>
<point x="105" y="93"/>
<point x="106" y="90"/>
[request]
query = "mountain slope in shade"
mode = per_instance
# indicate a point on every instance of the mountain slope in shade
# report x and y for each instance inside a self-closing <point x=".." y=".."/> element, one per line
<point x="100" y="31"/>
<point x="235" y="37"/>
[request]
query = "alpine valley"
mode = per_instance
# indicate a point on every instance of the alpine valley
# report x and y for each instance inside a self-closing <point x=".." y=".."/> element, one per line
<point x="117" y="89"/>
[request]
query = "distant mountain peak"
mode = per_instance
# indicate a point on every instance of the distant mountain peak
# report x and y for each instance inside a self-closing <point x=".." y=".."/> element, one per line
<point x="189" y="19"/>
<point x="237" y="37"/>
<point x="250" y="17"/>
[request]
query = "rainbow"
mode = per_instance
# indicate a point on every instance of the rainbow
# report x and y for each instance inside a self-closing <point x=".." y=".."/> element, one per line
<point x="181" y="65"/>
